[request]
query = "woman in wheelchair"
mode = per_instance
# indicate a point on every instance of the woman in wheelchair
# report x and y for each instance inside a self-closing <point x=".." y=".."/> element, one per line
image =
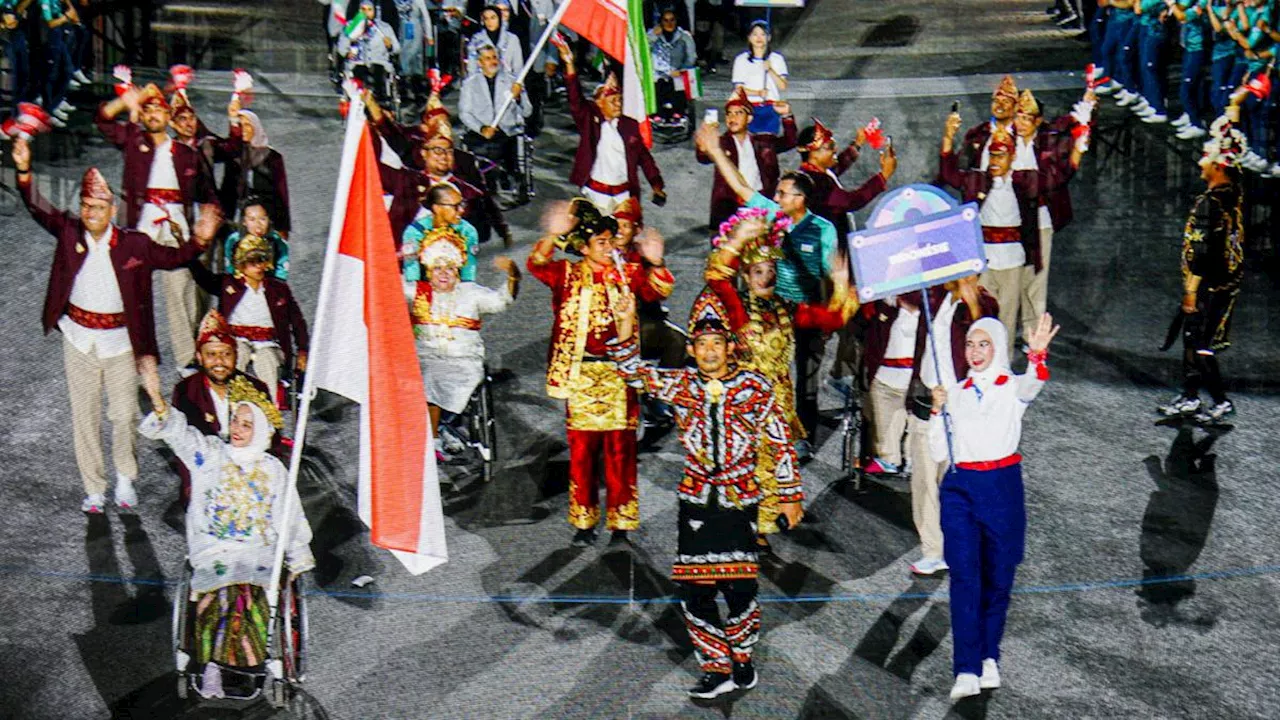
<point x="446" y="322"/>
<point x="238" y="496"/>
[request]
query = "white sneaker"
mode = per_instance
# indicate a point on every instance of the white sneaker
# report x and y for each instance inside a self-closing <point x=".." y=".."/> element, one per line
<point x="81" y="78"/>
<point x="94" y="504"/>
<point x="1275" y="170"/>
<point x="66" y="106"/>
<point x="929" y="566"/>
<point x="1182" y="121"/>
<point x="73" y="84"/>
<point x="1143" y="109"/>
<point x="990" y="679"/>
<point x="1155" y="118"/>
<point x="57" y="122"/>
<point x="126" y="494"/>
<point x="966" y="686"/>
<point x="1191" y="132"/>
<point x="60" y="114"/>
<point x="1105" y="88"/>
<point x="1124" y="98"/>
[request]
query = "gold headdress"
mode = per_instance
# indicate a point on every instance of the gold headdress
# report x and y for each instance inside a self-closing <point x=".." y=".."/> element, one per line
<point x="1007" y="89"/>
<point x="240" y="389"/>
<point x="250" y="247"/>
<point x="442" y="247"/>
<point x="1027" y="103"/>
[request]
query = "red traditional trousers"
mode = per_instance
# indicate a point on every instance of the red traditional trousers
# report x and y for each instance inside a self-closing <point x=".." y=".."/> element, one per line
<point x="601" y="429"/>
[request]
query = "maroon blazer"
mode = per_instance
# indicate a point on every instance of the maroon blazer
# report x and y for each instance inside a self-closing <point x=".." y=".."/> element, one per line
<point x="587" y="117"/>
<point x="877" y="319"/>
<point x="286" y="316"/>
<point x="834" y="202"/>
<point x="1053" y="155"/>
<point x="195" y="179"/>
<point x="724" y="201"/>
<point x="191" y="398"/>
<point x="406" y="187"/>
<point x="975" y="184"/>
<point x="960" y="324"/>
<point x="235" y="187"/>
<point x="133" y="255"/>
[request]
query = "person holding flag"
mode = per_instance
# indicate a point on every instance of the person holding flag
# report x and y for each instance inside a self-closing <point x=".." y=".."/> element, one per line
<point x="611" y="149"/>
<point x="368" y="42"/>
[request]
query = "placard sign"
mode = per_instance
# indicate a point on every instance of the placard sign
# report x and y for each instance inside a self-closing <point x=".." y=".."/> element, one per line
<point x="918" y="238"/>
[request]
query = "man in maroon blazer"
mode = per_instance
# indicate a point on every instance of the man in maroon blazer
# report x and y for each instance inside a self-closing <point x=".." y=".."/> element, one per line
<point x="611" y="152"/>
<point x="204" y="397"/>
<point x="99" y="297"/>
<point x="824" y="166"/>
<point x="759" y="167"/>
<point x="263" y="316"/>
<point x="163" y="180"/>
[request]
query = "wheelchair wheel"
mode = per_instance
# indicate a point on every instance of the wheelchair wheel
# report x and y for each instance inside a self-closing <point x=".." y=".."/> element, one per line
<point x="180" y="632"/>
<point x="292" y="635"/>
<point x="524" y="150"/>
<point x="850" y="430"/>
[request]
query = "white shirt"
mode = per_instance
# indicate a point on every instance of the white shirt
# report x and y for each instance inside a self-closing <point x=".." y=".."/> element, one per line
<point x="942" y="340"/>
<point x="1000" y="209"/>
<point x="1024" y="157"/>
<point x="986" y="422"/>
<point x="163" y="175"/>
<point x="986" y="149"/>
<point x="96" y="289"/>
<point x="753" y="74"/>
<point x="253" y="311"/>
<point x="747" y="164"/>
<point x="221" y="406"/>
<point x="902" y="344"/>
<point x="610" y="166"/>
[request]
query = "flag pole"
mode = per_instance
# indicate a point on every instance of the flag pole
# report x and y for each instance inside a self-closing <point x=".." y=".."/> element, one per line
<point x="534" y="52"/>
<point x="354" y="134"/>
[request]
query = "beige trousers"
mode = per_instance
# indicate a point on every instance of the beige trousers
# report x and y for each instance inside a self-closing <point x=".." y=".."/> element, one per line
<point x="1035" y="285"/>
<point x="1006" y="287"/>
<point x="87" y="378"/>
<point x="926" y="476"/>
<point x="888" y="420"/>
<point x="179" y="290"/>
<point x="266" y="360"/>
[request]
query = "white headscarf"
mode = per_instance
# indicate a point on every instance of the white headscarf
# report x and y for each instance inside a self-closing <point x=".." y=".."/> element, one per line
<point x="259" y="133"/>
<point x="246" y="457"/>
<point x="999" y="359"/>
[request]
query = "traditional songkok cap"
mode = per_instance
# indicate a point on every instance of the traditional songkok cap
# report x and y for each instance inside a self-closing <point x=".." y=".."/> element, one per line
<point x="214" y="329"/>
<point x="629" y="209"/>
<point x="1006" y="89"/>
<point x="180" y="104"/>
<point x="767" y="230"/>
<point x="608" y="88"/>
<point x="93" y="185"/>
<point x="241" y="389"/>
<point x="152" y="94"/>
<point x="739" y="99"/>
<point x="590" y="223"/>
<point x="253" y="248"/>
<point x="442" y="247"/>
<point x="1001" y="141"/>
<point x="821" y="136"/>
<point x="708" y="316"/>
<point x="1027" y="103"/>
<point x="434" y="109"/>
<point x="1226" y="145"/>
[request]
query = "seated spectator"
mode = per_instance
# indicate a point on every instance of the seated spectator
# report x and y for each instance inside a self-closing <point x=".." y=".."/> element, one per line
<point x="369" y="53"/>
<point x="494" y="33"/>
<point x="482" y="94"/>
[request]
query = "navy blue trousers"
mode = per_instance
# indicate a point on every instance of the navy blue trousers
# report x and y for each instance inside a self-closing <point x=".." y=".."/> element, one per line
<point x="1119" y="61"/>
<point x="1190" y="91"/>
<point x="1152" y="70"/>
<point x="984" y="528"/>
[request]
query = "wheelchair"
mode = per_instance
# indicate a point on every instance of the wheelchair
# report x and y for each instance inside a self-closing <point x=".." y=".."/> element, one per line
<point x="387" y="92"/>
<point x="285" y="667"/>
<point x="476" y="427"/>
<point x="673" y="122"/>
<point x="852" y="426"/>
<point x="492" y="170"/>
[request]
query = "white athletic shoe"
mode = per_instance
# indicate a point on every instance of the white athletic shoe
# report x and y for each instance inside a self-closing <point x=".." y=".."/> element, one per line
<point x="66" y="106"/>
<point x="1191" y="132"/>
<point x="1105" y="88"/>
<point x="929" y="566"/>
<point x="966" y="686"/>
<point x="94" y="504"/>
<point x="1275" y="170"/>
<point x="73" y="84"/>
<point x="57" y="122"/>
<point x="60" y="114"/>
<point x="1125" y="98"/>
<point x="126" y="494"/>
<point x="990" y="679"/>
<point x="1143" y="109"/>
<point x="1155" y="118"/>
<point x="81" y="78"/>
<point x="1182" y="121"/>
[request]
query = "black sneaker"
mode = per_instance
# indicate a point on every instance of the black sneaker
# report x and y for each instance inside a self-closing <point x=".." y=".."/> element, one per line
<point x="619" y="538"/>
<point x="713" y="685"/>
<point x="744" y="675"/>
<point x="583" y="538"/>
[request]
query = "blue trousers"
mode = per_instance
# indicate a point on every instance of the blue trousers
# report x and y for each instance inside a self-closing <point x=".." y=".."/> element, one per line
<point x="1189" y="92"/>
<point x="19" y="55"/>
<point x="1119" y="62"/>
<point x="58" y="50"/>
<point x="1255" y="113"/>
<point x="1150" y="49"/>
<point x="984" y="527"/>
<point x="1223" y="79"/>
<point x="1097" y="38"/>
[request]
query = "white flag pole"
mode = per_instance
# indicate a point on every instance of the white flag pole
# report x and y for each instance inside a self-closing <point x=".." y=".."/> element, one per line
<point x="534" y="52"/>
<point x="350" y="146"/>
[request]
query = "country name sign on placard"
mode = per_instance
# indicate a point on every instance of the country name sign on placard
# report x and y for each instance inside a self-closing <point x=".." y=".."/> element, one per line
<point x="929" y="245"/>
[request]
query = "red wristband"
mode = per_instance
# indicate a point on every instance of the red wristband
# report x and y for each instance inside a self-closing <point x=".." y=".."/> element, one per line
<point x="1037" y="357"/>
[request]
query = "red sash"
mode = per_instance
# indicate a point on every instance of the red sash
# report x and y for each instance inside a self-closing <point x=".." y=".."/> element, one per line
<point x="254" y="332"/>
<point x="93" y="320"/>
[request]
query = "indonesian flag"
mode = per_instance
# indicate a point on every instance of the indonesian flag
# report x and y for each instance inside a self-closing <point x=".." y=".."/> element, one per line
<point x="617" y="28"/>
<point x="363" y="349"/>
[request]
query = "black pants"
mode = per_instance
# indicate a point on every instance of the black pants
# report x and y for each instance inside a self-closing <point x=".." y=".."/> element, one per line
<point x="716" y="645"/>
<point x="810" y="346"/>
<point x="499" y="149"/>
<point x="374" y="78"/>
<point x="1202" y="332"/>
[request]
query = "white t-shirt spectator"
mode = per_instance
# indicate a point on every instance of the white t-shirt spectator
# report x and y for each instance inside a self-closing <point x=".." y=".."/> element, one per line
<point x="753" y="74"/>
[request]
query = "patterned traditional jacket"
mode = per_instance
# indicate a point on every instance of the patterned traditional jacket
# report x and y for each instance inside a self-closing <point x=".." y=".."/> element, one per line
<point x="1213" y="239"/>
<point x="583" y="302"/>
<point x="725" y="424"/>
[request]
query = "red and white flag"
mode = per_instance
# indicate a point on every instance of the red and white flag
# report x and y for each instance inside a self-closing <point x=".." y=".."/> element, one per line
<point x="363" y="349"/>
<point x="616" y="27"/>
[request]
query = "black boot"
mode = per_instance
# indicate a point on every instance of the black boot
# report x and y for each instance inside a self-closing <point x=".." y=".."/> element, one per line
<point x="583" y="538"/>
<point x="619" y="538"/>
<point x="712" y="685"/>
<point x="744" y="675"/>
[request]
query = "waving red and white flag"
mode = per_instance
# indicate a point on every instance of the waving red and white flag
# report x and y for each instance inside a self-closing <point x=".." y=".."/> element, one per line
<point x="617" y="28"/>
<point x="363" y="349"/>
